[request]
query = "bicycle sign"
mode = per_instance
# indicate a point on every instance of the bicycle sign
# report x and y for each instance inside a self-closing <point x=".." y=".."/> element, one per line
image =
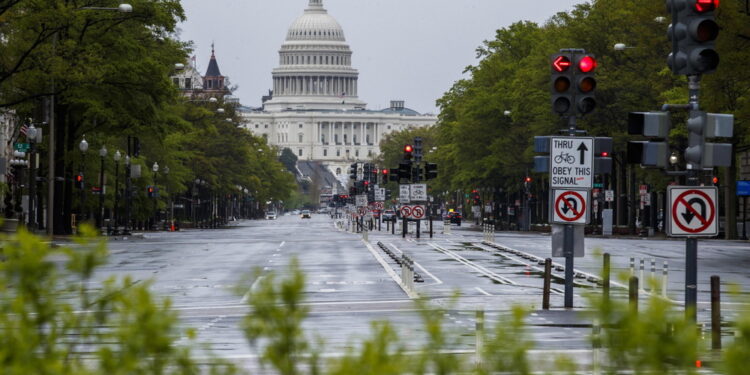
<point x="572" y="162"/>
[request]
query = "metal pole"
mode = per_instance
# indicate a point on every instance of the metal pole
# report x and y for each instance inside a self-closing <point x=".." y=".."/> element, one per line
<point x="547" y="283"/>
<point x="605" y="281"/>
<point x="633" y="294"/>
<point x="568" y="244"/>
<point x="744" y="218"/>
<point x="117" y="196"/>
<point x="32" y="186"/>
<point x="128" y="193"/>
<point x="715" y="312"/>
<point x="664" y="279"/>
<point x="51" y="156"/>
<point x="691" y="278"/>
<point x="100" y="212"/>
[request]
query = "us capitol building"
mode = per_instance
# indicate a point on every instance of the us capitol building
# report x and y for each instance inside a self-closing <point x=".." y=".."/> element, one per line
<point x="313" y="108"/>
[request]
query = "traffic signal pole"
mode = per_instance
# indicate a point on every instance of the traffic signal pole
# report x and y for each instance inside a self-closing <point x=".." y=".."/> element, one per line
<point x="691" y="243"/>
<point x="569" y="237"/>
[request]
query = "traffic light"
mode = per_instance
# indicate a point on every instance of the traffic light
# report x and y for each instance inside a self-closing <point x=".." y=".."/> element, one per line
<point x="693" y="34"/>
<point x="715" y="181"/>
<point x="150" y="191"/>
<point x="384" y="176"/>
<point x="353" y="171"/>
<point x="430" y="171"/>
<point x="418" y="149"/>
<point x="562" y="84"/>
<point x="603" y="155"/>
<point x="651" y="153"/>
<point x="79" y="181"/>
<point x="475" y="196"/>
<point x="404" y="170"/>
<point x="585" y="83"/>
<point x="408" y="152"/>
<point x="367" y="172"/>
<point x="701" y="154"/>
<point x="416" y="174"/>
<point x="393" y="174"/>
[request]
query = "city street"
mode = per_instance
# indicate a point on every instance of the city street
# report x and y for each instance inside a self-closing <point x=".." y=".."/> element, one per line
<point x="350" y="283"/>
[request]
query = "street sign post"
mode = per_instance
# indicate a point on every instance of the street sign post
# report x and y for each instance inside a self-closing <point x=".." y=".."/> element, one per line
<point x="571" y="162"/>
<point x="22" y="147"/>
<point x="692" y="211"/>
<point x="609" y="195"/>
<point x="361" y="200"/>
<point x="404" y="192"/>
<point x="558" y="241"/>
<point x="380" y="195"/>
<point x="570" y="207"/>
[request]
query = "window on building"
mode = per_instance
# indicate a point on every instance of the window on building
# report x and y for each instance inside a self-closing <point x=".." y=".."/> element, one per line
<point x="188" y="83"/>
<point x="300" y="126"/>
<point x="256" y="126"/>
<point x="369" y="153"/>
<point x="354" y="139"/>
<point x="338" y="153"/>
<point x="338" y="171"/>
<point x="367" y="139"/>
<point x="346" y="138"/>
<point x="209" y="83"/>
<point x="300" y="152"/>
<point x="336" y="138"/>
<point x="356" y="153"/>
<point x="301" y="137"/>
<point x="325" y="152"/>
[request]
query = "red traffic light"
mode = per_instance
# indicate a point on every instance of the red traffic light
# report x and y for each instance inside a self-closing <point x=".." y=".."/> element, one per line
<point x="79" y="178"/>
<point x="561" y="63"/>
<point x="605" y="154"/>
<point x="715" y="180"/>
<point x="702" y="6"/>
<point x="527" y="179"/>
<point x="408" y="148"/>
<point x="384" y="172"/>
<point x="587" y="64"/>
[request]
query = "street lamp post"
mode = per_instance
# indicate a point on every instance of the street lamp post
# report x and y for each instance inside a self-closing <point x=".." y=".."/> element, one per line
<point x="32" y="134"/>
<point x="83" y="147"/>
<point x="170" y="205"/>
<point x="100" y="211"/>
<point x="115" y="214"/>
<point x="155" y="168"/>
<point x="128" y="194"/>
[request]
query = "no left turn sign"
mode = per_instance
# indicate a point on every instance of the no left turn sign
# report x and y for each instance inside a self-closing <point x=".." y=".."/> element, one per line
<point x="570" y="206"/>
<point x="692" y="211"/>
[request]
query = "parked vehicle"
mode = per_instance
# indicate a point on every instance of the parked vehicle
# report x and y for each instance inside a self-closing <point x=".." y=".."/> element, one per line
<point x="389" y="215"/>
<point x="306" y="214"/>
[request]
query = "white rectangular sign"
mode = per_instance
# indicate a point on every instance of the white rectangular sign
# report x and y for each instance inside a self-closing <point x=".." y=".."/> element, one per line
<point x="380" y="195"/>
<point x="419" y="192"/>
<point x="570" y="206"/>
<point x="360" y="171"/>
<point x="571" y="162"/>
<point x="403" y="196"/>
<point x="361" y="200"/>
<point x="609" y="195"/>
<point x="692" y="211"/>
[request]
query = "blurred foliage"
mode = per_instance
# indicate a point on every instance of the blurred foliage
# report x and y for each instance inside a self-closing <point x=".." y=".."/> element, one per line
<point x="55" y="323"/>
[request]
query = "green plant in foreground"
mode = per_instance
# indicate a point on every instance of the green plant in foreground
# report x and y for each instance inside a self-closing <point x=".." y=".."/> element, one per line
<point x="53" y="323"/>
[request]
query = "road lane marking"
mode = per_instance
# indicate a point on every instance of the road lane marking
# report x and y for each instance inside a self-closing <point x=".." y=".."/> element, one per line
<point x="473" y="265"/>
<point x="428" y="273"/>
<point x="390" y="271"/>
<point x="246" y="297"/>
<point x="482" y="291"/>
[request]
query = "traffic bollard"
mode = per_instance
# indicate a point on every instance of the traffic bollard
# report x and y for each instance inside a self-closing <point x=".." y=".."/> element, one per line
<point x="633" y="294"/>
<point x="652" y="279"/>
<point x="640" y="274"/>
<point x="632" y="266"/>
<point x="664" y="279"/>
<point x="606" y="278"/>
<point x="547" y="283"/>
<point x="596" y="346"/>
<point x="479" y="334"/>
<point x="715" y="312"/>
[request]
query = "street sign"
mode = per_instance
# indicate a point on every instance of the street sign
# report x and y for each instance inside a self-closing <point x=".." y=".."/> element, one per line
<point x="380" y="195"/>
<point x="609" y="195"/>
<point x="403" y="196"/>
<point x="418" y="212"/>
<point x="569" y="206"/>
<point x="405" y="211"/>
<point x="571" y="162"/>
<point x="692" y="211"/>
<point x="646" y="199"/>
<point x="22" y="147"/>
<point x="743" y="188"/>
<point x="418" y="192"/>
<point x="361" y="200"/>
<point x="360" y="172"/>
<point x="376" y="205"/>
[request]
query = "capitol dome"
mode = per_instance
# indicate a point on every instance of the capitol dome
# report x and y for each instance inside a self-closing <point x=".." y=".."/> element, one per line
<point x="315" y="24"/>
<point x="315" y="67"/>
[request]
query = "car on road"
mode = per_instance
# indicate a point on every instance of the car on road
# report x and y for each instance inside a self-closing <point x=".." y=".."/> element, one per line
<point x="389" y="215"/>
<point x="271" y="215"/>
<point x="454" y="218"/>
<point x="306" y="214"/>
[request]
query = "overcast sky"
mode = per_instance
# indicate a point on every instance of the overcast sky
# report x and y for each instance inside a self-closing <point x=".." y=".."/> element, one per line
<point x="404" y="49"/>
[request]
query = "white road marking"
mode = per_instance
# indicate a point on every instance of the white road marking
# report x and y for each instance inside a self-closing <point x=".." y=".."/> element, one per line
<point x="482" y="291"/>
<point x="428" y="273"/>
<point x="473" y="265"/>
<point x="390" y="271"/>
<point x="252" y="288"/>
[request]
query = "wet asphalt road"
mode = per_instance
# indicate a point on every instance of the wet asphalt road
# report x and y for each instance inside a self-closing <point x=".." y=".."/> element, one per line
<point x="207" y="273"/>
